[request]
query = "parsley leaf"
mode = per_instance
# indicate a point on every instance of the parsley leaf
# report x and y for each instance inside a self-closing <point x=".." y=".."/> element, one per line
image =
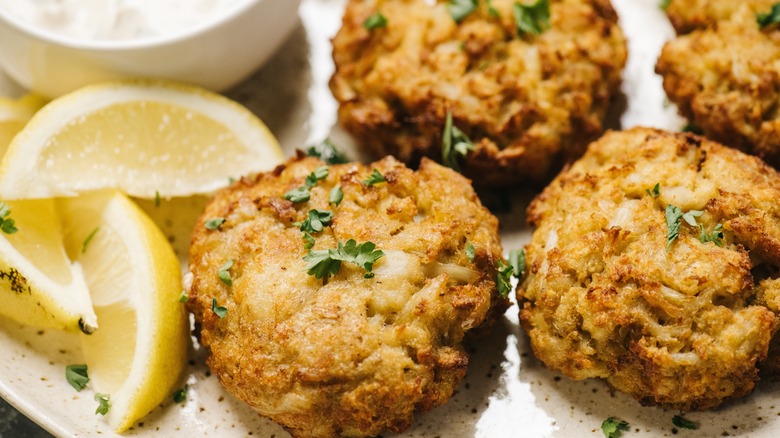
<point x="319" y="174"/>
<point x="454" y="143"/>
<point x="327" y="152"/>
<point x="612" y="427"/>
<point x="214" y="223"/>
<point x="655" y="191"/>
<point x="503" y="279"/>
<point x="89" y="238"/>
<point x="336" y="195"/>
<point x="183" y="297"/>
<point x="684" y="423"/>
<point x="316" y="220"/>
<point x="492" y="10"/>
<point x="532" y="18"/>
<point x="300" y="194"/>
<point x="716" y="236"/>
<point x="104" y="403"/>
<point x="224" y="273"/>
<point x="220" y="311"/>
<point x="375" y="21"/>
<point x="77" y="376"/>
<point x="673" y="218"/>
<point x="664" y="5"/>
<point x="769" y="18"/>
<point x="690" y="217"/>
<point x="7" y="225"/>
<point x="180" y="395"/>
<point x="470" y="251"/>
<point x="517" y="261"/>
<point x="693" y="129"/>
<point x="324" y="263"/>
<point x="308" y="240"/>
<point x="460" y="9"/>
<point x="374" y="178"/>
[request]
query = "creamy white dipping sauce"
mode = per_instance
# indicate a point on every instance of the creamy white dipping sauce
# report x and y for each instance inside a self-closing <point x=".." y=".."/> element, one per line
<point x="115" y="19"/>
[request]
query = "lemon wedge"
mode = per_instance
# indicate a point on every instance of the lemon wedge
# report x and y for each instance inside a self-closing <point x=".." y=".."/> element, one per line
<point x="14" y="114"/>
<point x="145" y="138"/>
<point x="139" y="351"/>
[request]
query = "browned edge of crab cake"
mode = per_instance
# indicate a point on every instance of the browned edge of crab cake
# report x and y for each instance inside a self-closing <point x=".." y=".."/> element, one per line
<point x="347" y="355"/>
<point x="726" y="81"/>
<point x="528" y="103"/>
<point x="604" y="298"/>
<point x="689" y="15"/>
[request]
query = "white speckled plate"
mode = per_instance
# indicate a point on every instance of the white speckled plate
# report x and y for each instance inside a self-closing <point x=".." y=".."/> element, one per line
<point x="507" y="393"/>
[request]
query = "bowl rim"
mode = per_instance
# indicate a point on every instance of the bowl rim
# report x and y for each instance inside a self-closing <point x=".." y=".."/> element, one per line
<point x="227" y="15"/>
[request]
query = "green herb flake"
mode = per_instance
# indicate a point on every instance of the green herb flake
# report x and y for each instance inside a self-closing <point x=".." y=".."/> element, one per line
<point x="224" y="272"/>
<point x="157" y="200"/>
<point x="503" y="279"/>
<point x="316" y="220"/>
<point x="7" y="225"/>
<point x="220" y="311"/>
<point x="77" y="376"/>
<point x="492" y="10"/>
<point x="308" y="240"/>
<point x="104" y="403"/>
<point x="716" y="236"/>
<point x="517" y="261"/>
<point x="180" y="395"/>
<point x="664" y="5"/>
<point x="454" y="143"/>
<point x="89" y="238"/>
<point x="214" y="223"/>
<point x="375" y="21"/>
<point x="327" y="152"/>
<point x="183" y="297"/>
<point x="612" y="427"/>
<point x="460" y="9"/>
<point x="684" y="423"/>
<point x="655" y="191"/>
<point x="318" y="175"/>
<point x="324" y="263"/>
<point x="769" y="18"/>
<point x="533" y="18"/>
<point x="336" y="196"/>
<point x="300" y="194"/>
<point x="374" y="178"/>
<point x="673" y="219"/>
<point x="470" y="251"/>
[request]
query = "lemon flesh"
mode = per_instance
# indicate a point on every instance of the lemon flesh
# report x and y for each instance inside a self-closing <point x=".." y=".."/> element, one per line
<point x="146" y="138"/>
<point x="14" y="114"/>
<point x="133" y="275"/>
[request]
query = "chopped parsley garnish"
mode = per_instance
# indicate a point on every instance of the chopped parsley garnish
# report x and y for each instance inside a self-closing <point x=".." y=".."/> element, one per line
<point x="664" y="5"/>
<point x="220" y="311"/>
<point x="460" y="9"/>
<point x="655" y="191"/>
<point x="7" y="225"/>
<point x="336" y="195"/>
<point x="104" y="403"/>
<point x="327" y="262"/>
<point x="214" y="223"/>
<point x="180" y="395"/>
<point x="683" y="423"/>
<point x="77" y="376"/>
<point x="470" y="251"/>
<point x="374" y="178"/>
<point x="503" y="279"/>
<point x="454" y="143"/>
<point x="693" y="129"/>
<point x="716" y="236"/>
<point x="375" y="21"/>
<point x="156" y="198"/>
<point x="674" y="218"/>
<point x="612" y="427"/>
<point x="327" y="152"/>
<point x="308" y="240"/>
<point x="89" y="238"/>
<point x="492" y="10"/>
<point x="532" y="18"/>
<point x="224" y="272"/>
<point x="319" y="174"/>
<point x="517" y="261"/>
<point x="300" y="194"/>
<point x="769" y="18"/>
<point x="183" y="297"/>
<point x="316" y="220"/>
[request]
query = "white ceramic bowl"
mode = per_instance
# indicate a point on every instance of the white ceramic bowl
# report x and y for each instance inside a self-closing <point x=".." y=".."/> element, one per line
<point x="216" y="54"/>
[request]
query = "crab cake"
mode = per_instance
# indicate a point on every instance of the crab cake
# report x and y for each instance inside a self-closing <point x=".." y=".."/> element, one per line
<point x="689" y="15"/>
<point x="365" y="339"/>
<point x="726" y="79"/>
<point x="654" y="266"/>
<point x="528" y="103"/>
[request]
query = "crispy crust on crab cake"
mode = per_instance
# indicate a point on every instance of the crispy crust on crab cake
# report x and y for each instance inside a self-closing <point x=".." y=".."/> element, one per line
<point x="726" y="81"/>
<point x="528" y="103"/>
<point x="689" y="15"/>
<point x="604" y="298"/>
<point x="349" y="356"/>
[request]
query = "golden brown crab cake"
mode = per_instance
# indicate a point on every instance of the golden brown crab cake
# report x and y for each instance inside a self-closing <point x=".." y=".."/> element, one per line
<point x="528" y="103"/>
<point x="610" y="291"/>
<point x="344" y="355"/>
<point x="726" y="81"/>
<point x="689" y="15"/>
